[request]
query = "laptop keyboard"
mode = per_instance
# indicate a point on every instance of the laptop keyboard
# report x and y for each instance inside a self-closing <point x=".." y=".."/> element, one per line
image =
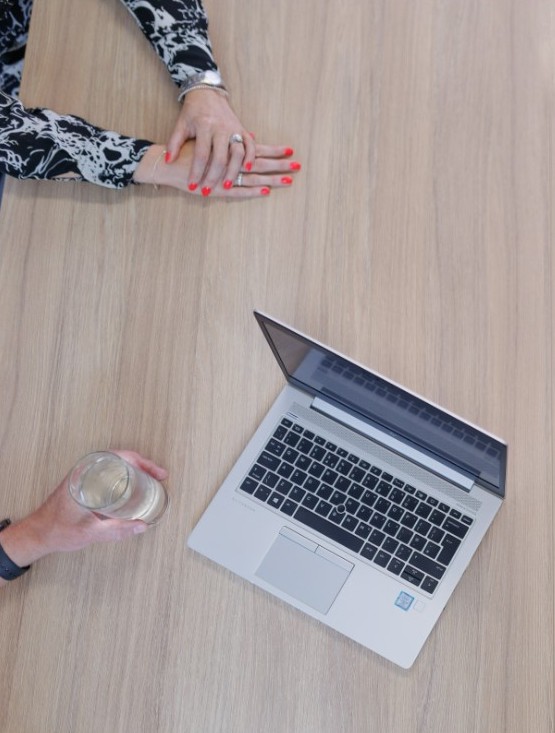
<point x="389" y="523"/>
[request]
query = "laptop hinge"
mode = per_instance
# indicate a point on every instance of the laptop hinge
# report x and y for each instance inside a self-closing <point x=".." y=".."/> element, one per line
<point x="397" y="446"/>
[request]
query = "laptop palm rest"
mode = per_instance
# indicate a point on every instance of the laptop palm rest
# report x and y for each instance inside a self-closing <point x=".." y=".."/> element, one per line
<point x="304" y="570"/>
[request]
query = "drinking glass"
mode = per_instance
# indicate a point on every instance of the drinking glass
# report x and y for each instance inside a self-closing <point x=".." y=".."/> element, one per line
<point x="107" y="484"/>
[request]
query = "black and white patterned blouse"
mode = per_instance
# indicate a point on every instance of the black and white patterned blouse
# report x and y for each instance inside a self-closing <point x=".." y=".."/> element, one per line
<point x="39" y="143"/>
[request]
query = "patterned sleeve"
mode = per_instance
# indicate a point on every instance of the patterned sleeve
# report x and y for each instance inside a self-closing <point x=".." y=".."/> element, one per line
<point x="178" y="31"/>
<point x="41" y="144"/>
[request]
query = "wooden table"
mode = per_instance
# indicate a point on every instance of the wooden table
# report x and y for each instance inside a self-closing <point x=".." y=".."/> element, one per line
<point x="418" y="239"/>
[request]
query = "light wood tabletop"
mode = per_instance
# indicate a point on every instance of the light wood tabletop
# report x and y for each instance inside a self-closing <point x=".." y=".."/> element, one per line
<point x="418" y="238"/>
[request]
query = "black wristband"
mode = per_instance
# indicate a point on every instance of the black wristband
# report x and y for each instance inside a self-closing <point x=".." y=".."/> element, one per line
<point x="8" y="569"/>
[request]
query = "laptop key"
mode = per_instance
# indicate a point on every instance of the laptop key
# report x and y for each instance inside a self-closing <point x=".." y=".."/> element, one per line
<point x="427" y="565"/>
<point x="283" y="486"/>
<point x="355" y="491"/>
<point x="285" y="470"/>
<point x="335" y="516"/>
<point x="275" y="500"/>
<point x="275" y="447"/>
<point x="311" y="484"/>
<point x="330" y="460"/>
<point x="364" y="513"/>
<point x="382" y="558"/>
<point x="363" y="530"/>
<point x="449" y="546"/>
<point x="292" y="439"/>
<point x="270" y="479"/>
<point x="249" y="485"/>
<point x="328" y="529"/>
<point x="298" y="477"/>
<point x="262" y="493"/>
<point x="418" y="542"/>
<point x="412" y="575"/>
<point x="376" y="537"/>
<point x="303" y="462"/>
<point x="257" y="472"/>
<point x="428" y="584"/>
<point x="456" y="528"/>
<point x="297" y="494"/>
<point x="268" y="460"/>
<point x="323" y="508"/>
<point x="368" y="551"/>
<point x="466" y="520"/>
<point x="350" y="523"/>
<point x="403" y="552"/>
<point x="310" y="501"/>
<point x="395" y="566"/>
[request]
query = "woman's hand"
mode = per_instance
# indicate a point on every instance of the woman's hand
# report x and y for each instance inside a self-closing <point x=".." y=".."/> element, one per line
<point x="272" y="168"/>
<point x="206" y="116"/>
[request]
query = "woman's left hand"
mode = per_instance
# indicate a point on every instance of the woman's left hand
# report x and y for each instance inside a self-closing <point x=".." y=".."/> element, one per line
<point x="207" y="116"/>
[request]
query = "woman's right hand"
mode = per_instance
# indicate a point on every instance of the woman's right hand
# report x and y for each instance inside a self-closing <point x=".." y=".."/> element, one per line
<point x="272" y="168"/>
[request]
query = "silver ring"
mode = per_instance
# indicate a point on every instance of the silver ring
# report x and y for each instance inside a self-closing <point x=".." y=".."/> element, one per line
<point x="236" y="138"/>
<point x="239" y="180"/>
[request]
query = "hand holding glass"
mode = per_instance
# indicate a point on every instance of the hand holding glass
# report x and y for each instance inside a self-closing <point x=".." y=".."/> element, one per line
<point x="107" y="484"/>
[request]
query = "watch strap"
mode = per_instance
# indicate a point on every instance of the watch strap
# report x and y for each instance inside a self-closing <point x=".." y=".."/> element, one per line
<point x="8" y="569"/>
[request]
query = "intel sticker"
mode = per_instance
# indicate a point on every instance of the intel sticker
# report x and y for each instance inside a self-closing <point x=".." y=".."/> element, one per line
<point x="404" y="601"/>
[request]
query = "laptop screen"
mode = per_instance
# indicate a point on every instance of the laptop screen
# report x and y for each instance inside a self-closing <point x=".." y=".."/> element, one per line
<point x="411" y="419"/>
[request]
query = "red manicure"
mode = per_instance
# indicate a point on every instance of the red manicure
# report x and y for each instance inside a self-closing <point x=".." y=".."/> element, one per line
<point x="295" y="166"/>
<point x="206" y="191"/>
<point x="287" y="180"/>
<point x="265" y="191"/>
<point x="248" y="166"/>
<point x="288" y="152"/>
<point x="193" y="186"/>
<point x="228" y="184"/>
<point x="167" y="156"/>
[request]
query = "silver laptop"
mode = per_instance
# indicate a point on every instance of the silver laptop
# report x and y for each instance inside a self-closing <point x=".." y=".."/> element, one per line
<point x="356" y="501"/>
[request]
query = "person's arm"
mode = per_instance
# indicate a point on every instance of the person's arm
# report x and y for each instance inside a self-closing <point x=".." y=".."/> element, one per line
<point x="41" y="144"/>
<point x="61" y="525"/>
<point x="178" y="31"/>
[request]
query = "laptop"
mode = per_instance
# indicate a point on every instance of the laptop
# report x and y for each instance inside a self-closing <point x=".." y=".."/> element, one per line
<point x="355" y="501"/>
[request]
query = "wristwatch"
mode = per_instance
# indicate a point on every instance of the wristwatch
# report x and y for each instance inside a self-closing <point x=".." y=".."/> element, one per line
<point x="8" y="569"/>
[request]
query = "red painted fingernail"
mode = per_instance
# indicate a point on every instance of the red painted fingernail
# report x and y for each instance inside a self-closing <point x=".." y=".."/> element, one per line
<point x="252" y="135"/>
<point x="167" y="156"/>
<point x="288" y="152"/>
<point x="287" y="180"/>
<point x="265" y="191"/>
<point x="206" y="191"/>
<point x="248" y="166"/>
<point x="295" y="166"/>
<point x="228" y="184"/>
<point x="193" y="186"/>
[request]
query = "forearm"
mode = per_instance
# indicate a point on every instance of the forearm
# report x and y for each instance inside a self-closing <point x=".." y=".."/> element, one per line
<point x="41" y="144"/>
<point x="178" y="31"/>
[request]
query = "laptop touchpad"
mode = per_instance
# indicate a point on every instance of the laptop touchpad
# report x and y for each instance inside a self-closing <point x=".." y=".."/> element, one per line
<point x="304" y="570"/>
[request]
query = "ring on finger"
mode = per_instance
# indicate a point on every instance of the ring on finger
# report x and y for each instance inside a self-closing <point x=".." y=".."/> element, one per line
<point x="239" y="180"/>
<point x="236" y="138"/>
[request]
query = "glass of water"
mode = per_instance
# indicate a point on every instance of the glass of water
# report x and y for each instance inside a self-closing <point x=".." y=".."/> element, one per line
<point x="107" y="484"/>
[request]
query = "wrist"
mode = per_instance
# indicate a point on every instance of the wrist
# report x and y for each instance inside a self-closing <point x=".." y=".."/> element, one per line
<point x="24" y="542"/>
<point x="145" y="171"/>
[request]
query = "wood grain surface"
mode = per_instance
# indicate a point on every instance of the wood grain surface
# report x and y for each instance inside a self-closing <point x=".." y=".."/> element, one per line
<point x="418" y="238"/>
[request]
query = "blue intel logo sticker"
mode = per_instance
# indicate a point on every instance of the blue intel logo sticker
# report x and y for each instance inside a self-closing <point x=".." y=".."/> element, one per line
<point x="404" y="601"/>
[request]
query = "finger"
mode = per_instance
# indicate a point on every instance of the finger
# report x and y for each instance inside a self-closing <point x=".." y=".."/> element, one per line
<point x="114" y="530"/>
<point x="273" y="151"/>
<point x="222" y="149"/>
<point x="244" y="192"/>
<point x="175" y="143"/>
<point x="201" y="155"/>
<point x="237" y="160"/>
<point x="136" y="459"/>
<point x="275" y="165"/>
<point x="277" y="180"/>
